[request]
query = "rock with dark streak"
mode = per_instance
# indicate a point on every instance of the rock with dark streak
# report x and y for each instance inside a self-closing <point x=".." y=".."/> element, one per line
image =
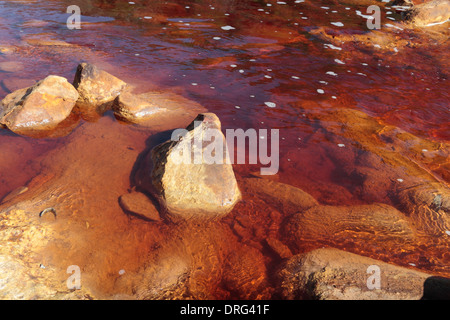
<point x="97" y="88"/>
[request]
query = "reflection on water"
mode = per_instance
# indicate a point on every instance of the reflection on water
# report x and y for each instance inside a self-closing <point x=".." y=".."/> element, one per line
<point x="239" y="59"/>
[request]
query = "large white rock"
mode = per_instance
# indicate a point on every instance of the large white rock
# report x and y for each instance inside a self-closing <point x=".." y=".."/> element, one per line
<point x="188" y="188"/>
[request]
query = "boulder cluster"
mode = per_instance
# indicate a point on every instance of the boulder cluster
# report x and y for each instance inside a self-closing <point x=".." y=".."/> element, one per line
<point x="207" y="190"/>
<point x="48" y="105"/>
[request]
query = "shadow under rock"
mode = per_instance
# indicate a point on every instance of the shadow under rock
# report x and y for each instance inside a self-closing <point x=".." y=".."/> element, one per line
<point x="436" y="288"/>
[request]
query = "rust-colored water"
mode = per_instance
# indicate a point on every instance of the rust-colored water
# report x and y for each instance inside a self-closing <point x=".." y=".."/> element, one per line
<point x="271" y="55"/>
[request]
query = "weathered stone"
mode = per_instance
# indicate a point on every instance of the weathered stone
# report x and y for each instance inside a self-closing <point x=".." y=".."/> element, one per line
<point x="428" y="13"/>
<point x="136" y="108"/>
<point x="140" y="205"/>
<point x="157" y="110"/>
<point x="41" y="107"/>
<point x="331" y="274"/>
<point x="281" y="195"/>
<point x="187" y="185"/>
<point x="97" y="88"/>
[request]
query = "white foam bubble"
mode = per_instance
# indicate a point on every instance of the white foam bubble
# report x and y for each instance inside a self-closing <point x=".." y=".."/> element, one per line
<point x="359" y="13"/>
<point x="270" y="104"/>
<point x="329" y="45"/>
<point x="393" y="26"/>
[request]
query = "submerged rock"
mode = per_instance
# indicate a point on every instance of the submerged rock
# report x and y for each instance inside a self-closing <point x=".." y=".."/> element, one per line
<point x="189" y="263"/>
<point x="376" y="222"/>
<point x="136" y="108"/>
<point x="389" y="163"/>
<point x="41" y="107"/>
<point x="278" y="248"/>
<point x="187" y="185"/>
<point x="11" y="66"/>
<point x="428" y="13"/>
<point x="331" y="274"/>
<point x="245" y="273"/>
<point x="158" y="110"/>
<point x="280" y="195"/>
<point x="139" y="204"/>
<point x="97" y="88"/>
<point x="428" y="206"/>
<point x="166" y="278"/>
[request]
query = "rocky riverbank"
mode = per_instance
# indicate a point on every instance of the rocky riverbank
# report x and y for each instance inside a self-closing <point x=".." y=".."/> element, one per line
<point x="149" y="240"/>
<point x="111" y="197"/>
